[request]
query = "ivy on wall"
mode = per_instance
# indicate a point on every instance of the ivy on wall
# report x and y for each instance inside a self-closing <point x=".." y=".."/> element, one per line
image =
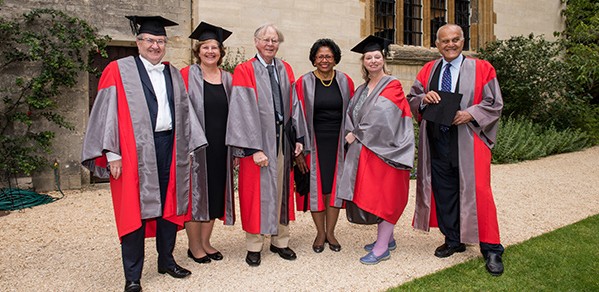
<point x="42" y="53"/>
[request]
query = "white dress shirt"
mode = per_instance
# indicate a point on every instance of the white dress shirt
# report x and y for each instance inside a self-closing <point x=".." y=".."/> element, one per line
<point x="156" y="74"/>
<point x="163" y="118"/>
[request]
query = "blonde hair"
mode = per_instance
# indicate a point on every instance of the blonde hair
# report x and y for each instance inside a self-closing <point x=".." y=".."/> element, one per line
<point x="365" y="74"/>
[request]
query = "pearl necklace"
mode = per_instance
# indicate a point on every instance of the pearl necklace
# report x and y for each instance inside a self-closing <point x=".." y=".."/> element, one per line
<point x="321" y="81"/>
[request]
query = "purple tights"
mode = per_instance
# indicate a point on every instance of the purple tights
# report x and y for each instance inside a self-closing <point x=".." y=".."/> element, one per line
<point x="384" y="235"/>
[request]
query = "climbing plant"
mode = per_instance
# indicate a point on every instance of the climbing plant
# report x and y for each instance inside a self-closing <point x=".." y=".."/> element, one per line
<point x="42" y="52"/>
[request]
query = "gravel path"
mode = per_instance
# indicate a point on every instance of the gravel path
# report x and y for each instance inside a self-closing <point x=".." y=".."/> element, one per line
<point x="71" y="245"/>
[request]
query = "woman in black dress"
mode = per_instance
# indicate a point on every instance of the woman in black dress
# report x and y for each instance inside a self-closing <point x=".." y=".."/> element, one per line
<point x="325" y="94"/>
<point x="212" y="187"/>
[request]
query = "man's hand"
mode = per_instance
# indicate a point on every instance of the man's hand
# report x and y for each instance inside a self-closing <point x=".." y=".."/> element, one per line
<point x="260" y="159"/>
<point x="116" y="168"/>
<point x="431" y="97"/>
<point x="462" y="117"/>
<point x="300" y="161"/>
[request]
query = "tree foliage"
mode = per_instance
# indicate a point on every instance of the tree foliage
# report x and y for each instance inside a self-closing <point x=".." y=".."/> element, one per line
<point x="581" y="36"/>
<point x="42" y="52"/>
<point x="540" y="84"/>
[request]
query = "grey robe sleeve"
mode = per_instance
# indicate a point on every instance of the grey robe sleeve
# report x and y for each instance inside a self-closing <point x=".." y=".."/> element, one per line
<point x="102" y="134"/>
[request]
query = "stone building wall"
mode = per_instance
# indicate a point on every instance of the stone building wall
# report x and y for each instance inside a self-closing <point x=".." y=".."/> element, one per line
<point x="516" y="17"/>
<point x="301" y="21"/>
<point x="108" y="16"/>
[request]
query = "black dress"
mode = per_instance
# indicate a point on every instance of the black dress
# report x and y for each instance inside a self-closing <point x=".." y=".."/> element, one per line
<point x="328" y="114"/>
<point x="216" y="109"/>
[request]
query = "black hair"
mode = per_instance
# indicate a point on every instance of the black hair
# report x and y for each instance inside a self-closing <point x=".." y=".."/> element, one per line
<point x="325" y="43"/>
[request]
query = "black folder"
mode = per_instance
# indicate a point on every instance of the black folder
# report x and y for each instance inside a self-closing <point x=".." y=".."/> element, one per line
<point x="444" y="111"/>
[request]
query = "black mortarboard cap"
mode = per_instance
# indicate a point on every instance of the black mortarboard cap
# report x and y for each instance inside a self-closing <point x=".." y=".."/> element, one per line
<point x="206" y="31"/>
<point x="371" y="43"/>
<point x="149" y="24"/>
<point x="444" y="111"/>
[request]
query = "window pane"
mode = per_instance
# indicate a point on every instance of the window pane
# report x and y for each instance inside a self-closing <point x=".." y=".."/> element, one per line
<point x="462" y="18"/>
<point x="384" y="19"/>
<point x="412" y="22"/>
<point x="438" y="18"/>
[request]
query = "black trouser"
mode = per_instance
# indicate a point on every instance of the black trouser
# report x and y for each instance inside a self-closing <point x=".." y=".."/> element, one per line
<point x="445" y="181"/>
<point x="132" y="244"/>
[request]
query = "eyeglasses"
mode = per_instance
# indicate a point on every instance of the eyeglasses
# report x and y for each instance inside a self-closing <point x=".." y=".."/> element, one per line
<point x="266" y="41"/>
<point x="151" y="41"/>
<point x="454" y="40"/>
<point x="324" y="57"/>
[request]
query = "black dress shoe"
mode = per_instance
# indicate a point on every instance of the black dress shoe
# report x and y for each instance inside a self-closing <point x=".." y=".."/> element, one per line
<point x="175" y="272"/>
<point x="494" y="264"/>
<point x="203" y="260"/>
<point x="334" y="247"/>
<point x="132" y="286"/>
<point x="284" y="252"/>
<point x="217" y="256"/>
<point x="253" y="258"/>
<point x="318" y="248"/>
<point x="446" y="250"/>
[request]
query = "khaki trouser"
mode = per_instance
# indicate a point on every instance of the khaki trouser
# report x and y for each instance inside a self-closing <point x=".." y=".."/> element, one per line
<point x="254" y="242"/>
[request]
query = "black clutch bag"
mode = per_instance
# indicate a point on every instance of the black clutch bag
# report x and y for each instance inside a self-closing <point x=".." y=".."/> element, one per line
<point x="358" y="216"/>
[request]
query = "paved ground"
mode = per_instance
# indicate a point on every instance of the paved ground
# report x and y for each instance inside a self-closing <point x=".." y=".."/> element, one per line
<point x="71" y="245"/>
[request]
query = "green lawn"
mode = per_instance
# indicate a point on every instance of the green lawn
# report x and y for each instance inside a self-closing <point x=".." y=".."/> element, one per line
<point x="566" y="259"/>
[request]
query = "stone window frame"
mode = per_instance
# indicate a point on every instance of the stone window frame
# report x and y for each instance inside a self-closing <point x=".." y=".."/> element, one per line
<point x="482" y="21"/>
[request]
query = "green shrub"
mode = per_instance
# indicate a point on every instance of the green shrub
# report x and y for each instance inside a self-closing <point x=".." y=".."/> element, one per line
<point x="520" y="139"/>
<point x="582" y="43"/>
<point x="538" y="83"/>
<point x="532" y="75"/>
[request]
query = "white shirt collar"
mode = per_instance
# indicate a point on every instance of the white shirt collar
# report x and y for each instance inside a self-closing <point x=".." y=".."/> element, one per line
<point x="456" y="63"/>
<point x="149" y="66"/>
<point x="264" y="62"/>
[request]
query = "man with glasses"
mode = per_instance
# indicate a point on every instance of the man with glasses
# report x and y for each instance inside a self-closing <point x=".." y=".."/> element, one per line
<point x="453" y="189"/>
<point x="261" y="118"/>
<point x="140" y="134"/>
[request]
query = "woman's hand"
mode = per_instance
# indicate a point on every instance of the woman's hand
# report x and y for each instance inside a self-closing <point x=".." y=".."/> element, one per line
<point x="300" y="161"/>
<point x="350" y="138"/>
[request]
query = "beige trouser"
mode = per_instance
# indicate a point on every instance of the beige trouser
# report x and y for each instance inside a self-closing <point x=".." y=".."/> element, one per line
<point x="254" y="242"/>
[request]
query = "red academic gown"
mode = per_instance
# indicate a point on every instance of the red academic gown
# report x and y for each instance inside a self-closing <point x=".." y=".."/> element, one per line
<point x="251" y="125"/>
<point x="377" y="167"/>
<point x="482" y="99"/>
<point x="136" y="194"/>
<point x="303" y="90"/>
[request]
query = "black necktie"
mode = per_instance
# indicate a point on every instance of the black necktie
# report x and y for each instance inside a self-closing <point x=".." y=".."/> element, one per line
<point x="276" y="92"/>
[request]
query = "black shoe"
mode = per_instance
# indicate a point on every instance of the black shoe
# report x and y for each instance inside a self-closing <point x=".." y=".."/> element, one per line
<point x="445" y="250"/>
<point x="253" y="258"/>
<point x="284" y="252"/>
<point x="217" y="256"/>
<point x="494" y="264"/>
<point x="176" y="272"/>
<point x="132" y="286"/>
<point x="203" y="260"/>
<point x="334" y="247"/>
<point x="317" y="248"/>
